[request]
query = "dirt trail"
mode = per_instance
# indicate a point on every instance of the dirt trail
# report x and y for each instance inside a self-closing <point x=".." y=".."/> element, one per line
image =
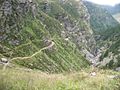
<point x="28" y="57"/>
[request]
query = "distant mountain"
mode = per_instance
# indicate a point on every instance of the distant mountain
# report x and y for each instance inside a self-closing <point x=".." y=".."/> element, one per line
<point x="100" y="18"/>
<point x="112" y="9"/>
<point x="115" y="11"/>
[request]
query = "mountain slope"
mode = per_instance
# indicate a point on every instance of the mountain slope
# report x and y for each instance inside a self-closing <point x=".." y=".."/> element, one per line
<point x="114" y="10"/>
<point x="29" y="29"/>
<point x="107" y="30"/>
<point x="49" y="45"/>
<point x="112" y="53"/>
<point x="101" y="19"/>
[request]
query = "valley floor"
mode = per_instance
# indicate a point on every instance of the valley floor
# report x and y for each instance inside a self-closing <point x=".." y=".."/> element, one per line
<point x="26" y="79"/>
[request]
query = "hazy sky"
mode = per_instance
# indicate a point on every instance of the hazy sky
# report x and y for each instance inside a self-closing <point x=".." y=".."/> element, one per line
<point x="106" y="2"/>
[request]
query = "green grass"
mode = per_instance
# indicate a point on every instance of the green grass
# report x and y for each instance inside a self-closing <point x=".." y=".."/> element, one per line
<point x="35" y="80"/>
<point x="64" y="56"/>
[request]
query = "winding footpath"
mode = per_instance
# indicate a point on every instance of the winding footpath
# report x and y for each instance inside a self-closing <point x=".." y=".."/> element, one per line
<point x="28" y="57"/>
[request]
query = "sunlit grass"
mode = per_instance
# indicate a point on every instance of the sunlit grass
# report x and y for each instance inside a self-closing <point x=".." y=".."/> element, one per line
<point x="35" y="80"/>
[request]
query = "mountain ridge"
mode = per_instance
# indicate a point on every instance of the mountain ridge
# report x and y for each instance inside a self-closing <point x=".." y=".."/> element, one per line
<point x="100" y="19"/>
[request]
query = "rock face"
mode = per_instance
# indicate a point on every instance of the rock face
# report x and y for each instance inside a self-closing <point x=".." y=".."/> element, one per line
<point x="11" y="16"/>
<point x="81" y="36"/>
<point x="4" y="60"/>
<point x="118" y="69"/>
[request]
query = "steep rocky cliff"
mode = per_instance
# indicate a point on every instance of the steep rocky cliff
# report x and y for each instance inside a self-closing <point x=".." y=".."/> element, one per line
<point x="49" y="35"/>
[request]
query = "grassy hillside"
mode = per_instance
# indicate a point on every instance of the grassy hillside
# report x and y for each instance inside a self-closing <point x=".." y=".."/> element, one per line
<point x="35" y="80"/>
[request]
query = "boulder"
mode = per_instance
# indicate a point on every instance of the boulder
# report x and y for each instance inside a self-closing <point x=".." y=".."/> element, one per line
<point x="118" y="69"/>
<point x="93" y="74"/>
<point x="4" y="60"/>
